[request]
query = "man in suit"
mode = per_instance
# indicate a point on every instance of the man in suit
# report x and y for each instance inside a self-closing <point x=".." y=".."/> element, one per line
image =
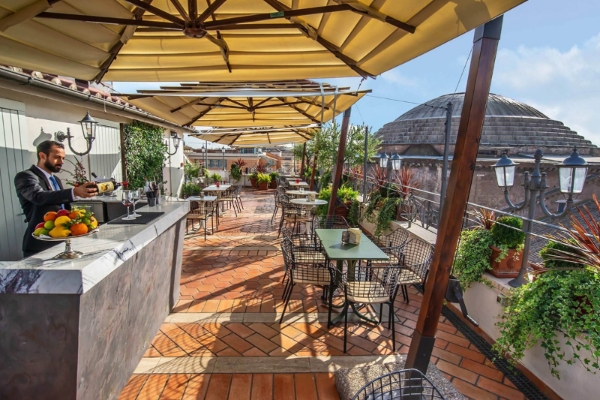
<point x="40" y="191"/>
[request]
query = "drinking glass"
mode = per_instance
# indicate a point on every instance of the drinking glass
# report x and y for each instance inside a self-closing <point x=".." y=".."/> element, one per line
<point x="136" y="194"/>
<point x="126" y="199"/>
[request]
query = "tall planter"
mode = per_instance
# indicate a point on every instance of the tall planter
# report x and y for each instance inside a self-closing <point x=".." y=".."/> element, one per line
<point x="273" y="184"/>
<point x="509" y="266"/>
<point x="263" y="186"/>
<point x="344" y="210"/>
<point x="253" y="182"/>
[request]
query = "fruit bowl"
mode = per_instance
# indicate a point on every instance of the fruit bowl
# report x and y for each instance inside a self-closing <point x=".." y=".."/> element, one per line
<point x="69" y="253"/>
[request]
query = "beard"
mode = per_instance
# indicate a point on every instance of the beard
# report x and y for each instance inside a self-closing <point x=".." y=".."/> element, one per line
<point x="52" y="167"/>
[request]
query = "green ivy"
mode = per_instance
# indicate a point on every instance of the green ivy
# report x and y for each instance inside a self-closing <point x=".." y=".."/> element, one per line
<point x="354" y="214"/>
<point x="144" y="153"/>
<point x="558" y="302"/>
<point x="386" y="215"/>
<point x="472" y="257"/>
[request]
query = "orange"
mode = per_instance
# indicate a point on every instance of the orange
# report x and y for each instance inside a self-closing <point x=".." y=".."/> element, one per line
<point x="50" y="216"/>
<point x="79" y="229"/>
<point x="73" y="215"/>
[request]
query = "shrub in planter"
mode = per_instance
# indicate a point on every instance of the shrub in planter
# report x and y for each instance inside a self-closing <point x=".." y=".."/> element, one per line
<point x="354" y="214"/>
<point x="508" y="238"/>
<point x="472" y="257"/>
<point x="190" y="189"/>
<point x="236" y="172"/>
<point x="345" y="194"/>
<point x="216" y="177"/>
<point x="253" y="177"/>
<point x="263" y="181"/>
<point x="559" y="302"/>
<point x="274" y="176"/>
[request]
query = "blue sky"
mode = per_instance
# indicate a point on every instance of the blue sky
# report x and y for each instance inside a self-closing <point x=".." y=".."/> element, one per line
<point x="549" y="57"/>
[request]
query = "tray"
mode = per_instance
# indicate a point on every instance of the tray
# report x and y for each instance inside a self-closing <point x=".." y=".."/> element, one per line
<point x="51" y="239"/>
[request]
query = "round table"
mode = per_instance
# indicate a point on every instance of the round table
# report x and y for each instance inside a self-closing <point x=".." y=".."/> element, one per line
<point x="300" y="192"/>
<point x="303" y="202"/>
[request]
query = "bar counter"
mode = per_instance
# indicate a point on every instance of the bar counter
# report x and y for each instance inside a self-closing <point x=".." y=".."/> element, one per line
<point x="76" y="329"/>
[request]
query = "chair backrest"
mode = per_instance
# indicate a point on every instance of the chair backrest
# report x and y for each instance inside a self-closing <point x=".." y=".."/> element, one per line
<point x="398" y="238"/>
<point x="403" y="384"/>
<point x="286" y="249"/>
<point x="330" y="222"/>
<point x="375" y="281"/>
<point x="417" y="255"/>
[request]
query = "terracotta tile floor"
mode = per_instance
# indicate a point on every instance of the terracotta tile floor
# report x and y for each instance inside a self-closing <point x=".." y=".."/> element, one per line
<point x="232" y="284"/>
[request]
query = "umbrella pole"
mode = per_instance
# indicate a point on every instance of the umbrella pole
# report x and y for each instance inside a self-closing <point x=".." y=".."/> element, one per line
<point x="485" y="45"/>
<point x="314" y="170"/>
<point x="302" y="165"/>
<point x="337" y="177"/>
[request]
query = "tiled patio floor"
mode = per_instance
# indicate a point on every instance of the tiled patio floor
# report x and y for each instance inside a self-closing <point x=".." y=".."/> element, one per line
<point x="223" y="339"/>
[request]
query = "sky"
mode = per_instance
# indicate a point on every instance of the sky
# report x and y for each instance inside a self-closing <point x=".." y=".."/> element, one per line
<point x="548" y="57"/>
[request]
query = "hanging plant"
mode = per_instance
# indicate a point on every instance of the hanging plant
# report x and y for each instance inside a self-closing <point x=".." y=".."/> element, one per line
<point x="472" y="257"/>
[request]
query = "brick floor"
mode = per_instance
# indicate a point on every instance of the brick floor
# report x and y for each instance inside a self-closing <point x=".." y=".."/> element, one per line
<point x="238" y="271"/>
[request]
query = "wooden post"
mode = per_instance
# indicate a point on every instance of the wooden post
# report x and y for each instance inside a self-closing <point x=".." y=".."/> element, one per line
<point x="302" y="165"/>
<point x="485" y="45"/>
<point x="123" y="160"/>
<point x="314" y="169"/>
<point x="337" y="176"/>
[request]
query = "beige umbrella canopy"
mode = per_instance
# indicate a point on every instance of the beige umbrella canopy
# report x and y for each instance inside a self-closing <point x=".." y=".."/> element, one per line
<point x="250" y="137"/>
<point x="224" y="40"/>
<point x="241" y="104"/>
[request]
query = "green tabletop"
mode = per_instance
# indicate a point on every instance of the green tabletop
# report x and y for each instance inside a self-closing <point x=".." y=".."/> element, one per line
<point x="332" y="243"/>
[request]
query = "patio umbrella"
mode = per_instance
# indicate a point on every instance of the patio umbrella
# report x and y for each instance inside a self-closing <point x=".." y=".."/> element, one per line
<point x="250" y="137"/>
<point x="221" y="40"/>
<point x="247" y="104"/>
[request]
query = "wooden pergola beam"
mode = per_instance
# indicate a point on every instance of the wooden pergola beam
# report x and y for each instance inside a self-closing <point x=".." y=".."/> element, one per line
<point x="485" y="45"/>
<point x="187" y="105"/>
<point x="156" y="11"/>
<point x="109" y="20"/>
<point x="337" y="176"/>
<point x="181" y="10"/>
<point x="203" y="113"/>
<point x="210" y="10"/>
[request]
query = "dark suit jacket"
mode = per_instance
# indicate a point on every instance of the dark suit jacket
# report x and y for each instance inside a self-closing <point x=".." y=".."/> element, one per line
<point x="37" y="198"/>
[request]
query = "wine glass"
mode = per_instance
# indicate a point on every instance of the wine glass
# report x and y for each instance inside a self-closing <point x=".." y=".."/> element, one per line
<point x="135" y="197"/>
<point x="126" y="199"/>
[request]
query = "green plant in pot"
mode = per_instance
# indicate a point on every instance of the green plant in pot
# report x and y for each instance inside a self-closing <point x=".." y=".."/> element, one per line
<point x="189" y="189"/>
<point x="345" y="195"/>
<point x="263" y="180"/>
<point x="236" y="172"/>
<point x="274" y="176"/>
<point x="507" y="248"/>
<point x="216" y="177"/>
<point x="252" y="178"/>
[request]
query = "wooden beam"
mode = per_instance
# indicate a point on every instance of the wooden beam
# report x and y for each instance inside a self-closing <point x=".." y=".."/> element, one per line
<point x="116" y="48"/>
<point x="193" y="9"/>
<point x="187" y="105"/>
<point x="203" y="113"/>
<point x="463" y="166"/>
<point x="337" y="176"/>
<point x="210" y="10"/>
<point x="156" y="11"/>
<point x="303" y="156"/>
<point x="310" y="117"/>
<point x="222" y="45"/>
<point x="314" y="170"/>
<point x="181" y="10"/>
<point x="109" y="20"/>
<point x="371" y="12"/>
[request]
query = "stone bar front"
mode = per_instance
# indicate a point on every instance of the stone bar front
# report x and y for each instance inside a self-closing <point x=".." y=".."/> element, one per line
<point x="76" y="329"/>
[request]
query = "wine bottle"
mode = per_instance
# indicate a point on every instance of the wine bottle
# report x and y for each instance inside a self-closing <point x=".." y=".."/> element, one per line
<point x="106" y="186"/>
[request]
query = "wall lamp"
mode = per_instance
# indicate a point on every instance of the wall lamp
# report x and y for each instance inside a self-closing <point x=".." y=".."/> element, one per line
<point x="176" y="140"/>
<point x="88" y="127"/>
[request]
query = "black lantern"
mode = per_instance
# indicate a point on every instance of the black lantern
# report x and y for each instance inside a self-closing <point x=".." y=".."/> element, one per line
<point x="572" y="173"/>
<point x="505" y="171"/>
<point x="88" y="128"/>
<point x="176" y="141"/>
<point x="396" y="162"/>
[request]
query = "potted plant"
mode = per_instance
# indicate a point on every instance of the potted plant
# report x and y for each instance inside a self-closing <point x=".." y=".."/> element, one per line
<point x="263" y="181"/>
<point x="345" y="195"/>
<point x="507" y="248"/>
<point x="253" y="177"/>
<point x="216" y="178"/>
<point x="406" y="180"/>
<point x="189" y="189"/>
<point x="274" y="176"/>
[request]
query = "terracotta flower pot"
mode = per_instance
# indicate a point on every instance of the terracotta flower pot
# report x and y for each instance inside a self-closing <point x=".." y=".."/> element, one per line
<point x="253" y="182"/>
<point x="263" y="186"/>
<point x="343" y="211"/>
<point x="273" y="184"/>
<point x="509" y="266"/>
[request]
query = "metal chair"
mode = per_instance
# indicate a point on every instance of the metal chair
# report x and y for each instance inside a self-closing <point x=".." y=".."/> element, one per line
<point x="292" y="213"/>
<point x="201" y="211"/>
<point x="237" y="194"/>
<point x="305" y="265"/>
<point x="330" y="222"/>
<point x="229" y="199"/>
<point x="279" y="192"/>
<point x="414" y="259"/>
<point x="403" y="384"/>
<point x="393" y="243"/>
<point x="367" y="285"/>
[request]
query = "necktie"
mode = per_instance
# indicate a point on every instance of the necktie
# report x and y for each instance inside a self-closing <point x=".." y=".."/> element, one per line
<point x="56" y="187"/>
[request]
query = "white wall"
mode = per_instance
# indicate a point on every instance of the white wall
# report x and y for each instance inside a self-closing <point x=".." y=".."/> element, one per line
<point x="575" y="382"/>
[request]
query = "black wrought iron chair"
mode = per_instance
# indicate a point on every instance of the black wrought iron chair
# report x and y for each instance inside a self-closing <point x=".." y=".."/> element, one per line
<point x="237" y="195"/>
<point x="201" y="211"/>
<point x="393" y="243"/>
<point x="367" y="285"/>
<point x="293" y="214"/>
<point x="305" y="265"/>
<point x="330" y="222"/>
<point x="228" y="199"/>
<point x="403" y="384"/>
<point x="414" y="259"/>
<point x="279" y="192"/>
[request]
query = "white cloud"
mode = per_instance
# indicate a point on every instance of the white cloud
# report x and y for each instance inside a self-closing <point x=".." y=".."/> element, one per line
<point x="395" y="76"/>
<point x="565" y="85"/>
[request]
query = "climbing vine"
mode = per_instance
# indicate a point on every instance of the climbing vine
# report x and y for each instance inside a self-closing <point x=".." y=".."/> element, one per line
<point x="144" y="153"/>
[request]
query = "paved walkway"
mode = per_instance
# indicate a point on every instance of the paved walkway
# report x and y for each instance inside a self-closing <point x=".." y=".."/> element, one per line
<point x="224" y="341"/>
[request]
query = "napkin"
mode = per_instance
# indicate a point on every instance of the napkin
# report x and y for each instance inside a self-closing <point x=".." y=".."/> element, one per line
<point x="355" y="234"/>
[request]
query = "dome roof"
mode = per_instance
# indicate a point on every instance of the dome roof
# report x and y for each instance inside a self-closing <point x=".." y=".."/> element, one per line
<point x="497" y="106"/>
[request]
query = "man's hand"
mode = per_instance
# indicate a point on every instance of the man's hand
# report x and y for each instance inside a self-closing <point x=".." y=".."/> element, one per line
<point x="85" y="191"/>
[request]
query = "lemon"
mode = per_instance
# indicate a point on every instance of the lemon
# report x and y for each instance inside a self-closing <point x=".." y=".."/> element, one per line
<point x="40" y="231"/>
<point x="60" y="221"/>
<point x="59" y="232"/>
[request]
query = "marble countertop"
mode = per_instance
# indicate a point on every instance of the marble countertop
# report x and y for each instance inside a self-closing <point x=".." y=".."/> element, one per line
<point x="103" y="252"/>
